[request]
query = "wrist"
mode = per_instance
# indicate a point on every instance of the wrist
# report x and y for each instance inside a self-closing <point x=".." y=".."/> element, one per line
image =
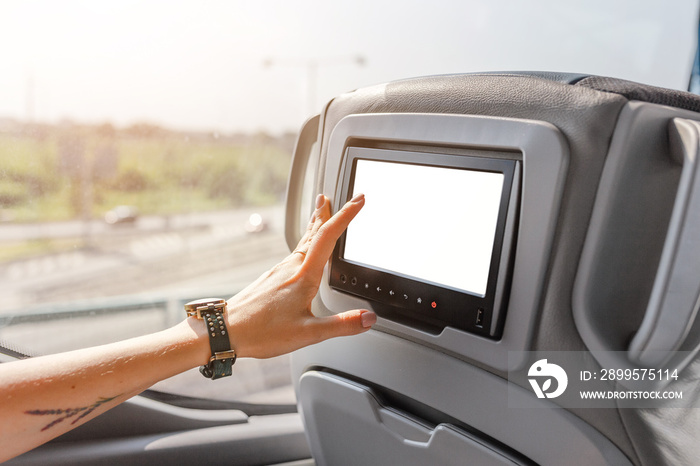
<point x="195" y="335"/>
<point x="235" y="322"/>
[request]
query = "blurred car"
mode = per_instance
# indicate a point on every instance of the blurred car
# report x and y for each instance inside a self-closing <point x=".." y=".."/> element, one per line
<point x="122" y="214"/>
<point x="255" y="224"/>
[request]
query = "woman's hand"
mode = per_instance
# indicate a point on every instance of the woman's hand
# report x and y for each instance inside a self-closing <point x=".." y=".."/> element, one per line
<point x="272" y="316"/>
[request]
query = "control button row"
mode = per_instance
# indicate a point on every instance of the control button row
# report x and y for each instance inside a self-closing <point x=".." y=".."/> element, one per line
<point x="379" y="289"/>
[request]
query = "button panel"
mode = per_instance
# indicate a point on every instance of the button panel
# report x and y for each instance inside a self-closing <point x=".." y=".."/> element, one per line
<point x="413" y="299"/>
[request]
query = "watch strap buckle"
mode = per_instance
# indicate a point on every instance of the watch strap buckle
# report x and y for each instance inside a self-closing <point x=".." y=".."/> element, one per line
<point x="220" y="365"/>
<point x="216" y="371"/>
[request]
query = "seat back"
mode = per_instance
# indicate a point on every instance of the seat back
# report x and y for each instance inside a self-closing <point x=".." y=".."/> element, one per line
<point x="598" y="262"/>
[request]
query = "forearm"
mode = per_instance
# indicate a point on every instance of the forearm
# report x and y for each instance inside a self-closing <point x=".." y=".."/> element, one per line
<point x="44" y="397"/>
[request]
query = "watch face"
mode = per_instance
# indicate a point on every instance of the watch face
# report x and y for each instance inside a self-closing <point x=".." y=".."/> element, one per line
<point x="193" y="305"/>
<point x="199" y="302"/>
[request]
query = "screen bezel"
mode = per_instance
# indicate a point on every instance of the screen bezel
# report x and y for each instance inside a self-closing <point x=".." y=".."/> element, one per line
<point x="455" y="308"/>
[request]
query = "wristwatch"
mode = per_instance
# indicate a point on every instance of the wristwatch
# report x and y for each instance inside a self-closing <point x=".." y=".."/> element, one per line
<point x="213" y="312"/>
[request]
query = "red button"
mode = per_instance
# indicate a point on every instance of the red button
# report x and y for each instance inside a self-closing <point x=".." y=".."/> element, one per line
<point x="434" y="304"/>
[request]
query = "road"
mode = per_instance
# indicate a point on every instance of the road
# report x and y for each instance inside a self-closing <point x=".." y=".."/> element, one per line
<point x="144" y="224"/>
<point x="205" y="248"/>
<point x="207" y="254"/>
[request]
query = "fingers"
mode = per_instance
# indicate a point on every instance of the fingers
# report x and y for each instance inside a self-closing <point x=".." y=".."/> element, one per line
<point x="319" y="217"/>
<point x="323" y="240"/>
<point x="343" y="324"/>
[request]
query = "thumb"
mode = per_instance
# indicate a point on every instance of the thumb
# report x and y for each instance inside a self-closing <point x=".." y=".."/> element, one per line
<point x="344" y="324"/>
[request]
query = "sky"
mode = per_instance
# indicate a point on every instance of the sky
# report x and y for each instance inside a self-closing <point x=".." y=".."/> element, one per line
<point x="201" y="65"/>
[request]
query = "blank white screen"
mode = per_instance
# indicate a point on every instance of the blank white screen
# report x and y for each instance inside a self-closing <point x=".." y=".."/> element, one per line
<point x="435" y="224"/>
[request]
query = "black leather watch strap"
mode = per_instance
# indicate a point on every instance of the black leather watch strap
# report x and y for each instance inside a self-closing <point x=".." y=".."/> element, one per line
<point x="213" y="313"/>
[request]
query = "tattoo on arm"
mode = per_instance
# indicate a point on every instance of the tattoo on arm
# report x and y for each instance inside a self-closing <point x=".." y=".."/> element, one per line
<point x="67" y="413"/>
